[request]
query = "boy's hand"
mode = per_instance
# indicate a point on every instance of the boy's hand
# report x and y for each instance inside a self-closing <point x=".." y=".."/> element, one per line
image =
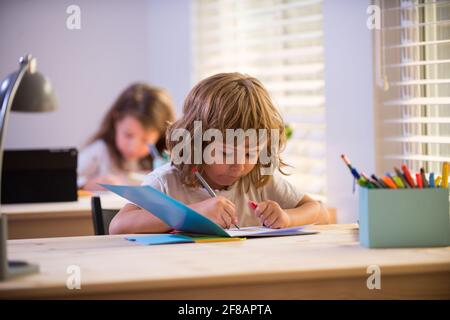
<point x="271" y="215"/>
<point x="219" y="209"/>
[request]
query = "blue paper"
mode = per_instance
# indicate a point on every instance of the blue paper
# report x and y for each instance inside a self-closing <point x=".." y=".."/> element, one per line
<point x="153" y="239"/>
<point x="174" y="213"/>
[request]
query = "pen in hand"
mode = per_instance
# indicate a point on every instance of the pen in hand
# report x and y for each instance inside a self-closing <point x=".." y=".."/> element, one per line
<point x="206" y="186"/>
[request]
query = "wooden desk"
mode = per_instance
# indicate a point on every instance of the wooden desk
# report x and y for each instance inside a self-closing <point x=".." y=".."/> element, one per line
<point x="63" y="219"/>
<point x="58" y="219"/>
<point x="330" y="264"/>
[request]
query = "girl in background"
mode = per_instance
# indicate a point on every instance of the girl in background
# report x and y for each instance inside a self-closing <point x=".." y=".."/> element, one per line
<point x="137" y="120"/>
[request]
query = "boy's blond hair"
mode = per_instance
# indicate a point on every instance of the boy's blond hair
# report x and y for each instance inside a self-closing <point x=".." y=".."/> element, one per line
<point x="229" y="101"/>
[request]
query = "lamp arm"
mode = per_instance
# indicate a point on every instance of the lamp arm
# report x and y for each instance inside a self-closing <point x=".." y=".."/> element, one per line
<point x="8" y="101"/>
<point x="6" y="105"/>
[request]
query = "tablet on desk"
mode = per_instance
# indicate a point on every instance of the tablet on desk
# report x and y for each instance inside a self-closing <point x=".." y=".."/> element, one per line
<point x="39" y="175"/>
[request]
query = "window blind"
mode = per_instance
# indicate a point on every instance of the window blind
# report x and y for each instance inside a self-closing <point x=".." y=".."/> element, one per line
<point x="280" y="43"/>
<point x="413" y="76"/>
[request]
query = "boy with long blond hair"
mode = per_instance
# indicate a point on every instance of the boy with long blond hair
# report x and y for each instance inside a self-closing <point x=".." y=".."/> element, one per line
<point x="251" y="191"/>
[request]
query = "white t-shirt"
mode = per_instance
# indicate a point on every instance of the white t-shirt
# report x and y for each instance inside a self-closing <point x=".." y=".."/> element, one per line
<point x="167" y="179"/>
<point x="95" y="161"/>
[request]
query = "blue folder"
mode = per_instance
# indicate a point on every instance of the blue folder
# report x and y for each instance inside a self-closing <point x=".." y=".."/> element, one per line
<point x="172" y="212"/>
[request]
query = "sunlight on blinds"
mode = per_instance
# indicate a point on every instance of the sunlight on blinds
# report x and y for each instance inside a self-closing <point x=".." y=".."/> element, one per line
<point x="280" y="43"/>
<point x="414" y="98"/>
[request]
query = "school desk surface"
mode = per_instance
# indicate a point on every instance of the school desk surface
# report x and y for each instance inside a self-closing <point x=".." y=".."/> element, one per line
<point x="57" y="219"/>
<point x="329" y="265"/>
<point x="64" y="219"/>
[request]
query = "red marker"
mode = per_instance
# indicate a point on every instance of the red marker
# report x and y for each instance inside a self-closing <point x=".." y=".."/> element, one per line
<point x="252" y="204"/>
<point x="408" y="176"/>
<point x="419" y="180"/>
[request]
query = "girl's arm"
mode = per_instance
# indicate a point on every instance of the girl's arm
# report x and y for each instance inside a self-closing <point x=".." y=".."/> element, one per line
<point x="132" y="219"/>
<point x="92" y="160"/>
<point x="92" y="184"/>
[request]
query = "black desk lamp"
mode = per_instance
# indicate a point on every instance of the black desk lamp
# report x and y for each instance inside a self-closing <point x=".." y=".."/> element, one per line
<point x="28" y="91"/>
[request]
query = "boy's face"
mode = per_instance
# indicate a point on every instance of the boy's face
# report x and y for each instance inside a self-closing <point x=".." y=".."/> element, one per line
<point x="234" y="166"/>
<point x="132" y="139"/>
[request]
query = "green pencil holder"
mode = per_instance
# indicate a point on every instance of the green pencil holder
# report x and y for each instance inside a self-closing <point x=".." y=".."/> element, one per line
<point x="396" y="218"/>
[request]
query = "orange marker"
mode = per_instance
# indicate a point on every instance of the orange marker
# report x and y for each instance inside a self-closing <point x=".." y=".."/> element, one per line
<point x="388" y="181"/>
<point x="445" y="175"/>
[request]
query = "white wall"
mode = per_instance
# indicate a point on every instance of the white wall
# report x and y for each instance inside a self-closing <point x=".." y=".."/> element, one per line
<point x="349" y="100"/>
<point x="170" y="47"/>
<point x="119" y="42"/>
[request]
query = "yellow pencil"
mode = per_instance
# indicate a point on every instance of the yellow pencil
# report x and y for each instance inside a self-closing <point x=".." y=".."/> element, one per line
<point x="398" y="182"/>
<point x="445" y="175"/>
<point x="219" y="239"/>
<point x="437" y="181"/>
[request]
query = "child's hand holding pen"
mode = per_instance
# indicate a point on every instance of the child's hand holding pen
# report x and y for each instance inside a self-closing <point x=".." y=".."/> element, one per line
<point x="225" y="213"/>
<point x="219" y="209"/>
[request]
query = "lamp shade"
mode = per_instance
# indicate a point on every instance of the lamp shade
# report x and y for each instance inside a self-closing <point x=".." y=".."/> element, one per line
<point x="34" y="94"/>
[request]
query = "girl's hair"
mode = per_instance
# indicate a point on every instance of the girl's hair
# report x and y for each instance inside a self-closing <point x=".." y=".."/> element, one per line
<point x="151" y="106"/>
<point x="229" y="101"/>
